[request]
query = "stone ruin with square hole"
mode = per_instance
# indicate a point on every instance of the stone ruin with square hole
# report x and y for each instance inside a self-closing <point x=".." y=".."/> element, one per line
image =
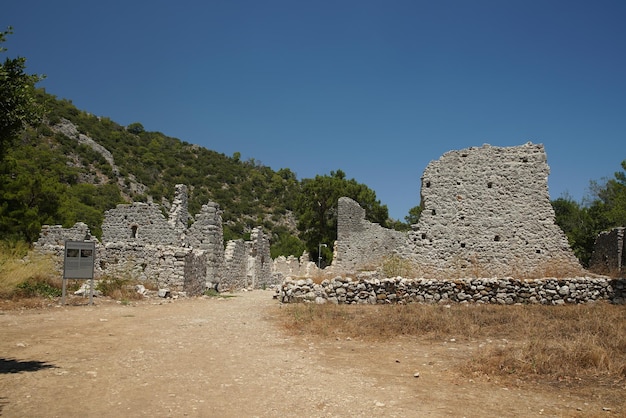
<point x="139" y="242"/>
<point x="486" y="212"/>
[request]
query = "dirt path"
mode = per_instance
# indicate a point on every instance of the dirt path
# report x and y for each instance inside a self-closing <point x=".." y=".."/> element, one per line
<point x="210" y="357"/>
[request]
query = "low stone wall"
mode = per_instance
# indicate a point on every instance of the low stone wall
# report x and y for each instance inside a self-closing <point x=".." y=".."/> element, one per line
<point x="505" y="291"/>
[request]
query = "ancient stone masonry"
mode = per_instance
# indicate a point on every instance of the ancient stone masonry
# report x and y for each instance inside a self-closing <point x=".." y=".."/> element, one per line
<point x="486" y="209"/>
<point x="236" y="265"/>
<point x="359" y="242"/>
<point x="138" y="223"/>
<point x="179" y="215"/>
<point x="140" y="243"/>
<point x="294" y="267"/>
<point x="489" y="206"/>
<point x="259" y="260"/>
<point x="207" y="233"/>
<point x="609" y="252"/>
<point x="505" y="291"/>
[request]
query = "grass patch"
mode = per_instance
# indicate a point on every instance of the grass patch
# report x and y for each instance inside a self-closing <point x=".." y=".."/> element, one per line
<point x="118" y="288"/>
<point x="25" y="274"/>
<point x="564" y="342"/>
<point x="215" y="294"/>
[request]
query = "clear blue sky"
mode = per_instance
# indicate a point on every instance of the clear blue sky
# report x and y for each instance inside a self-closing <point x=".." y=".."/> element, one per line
<point x="374" y="88"/>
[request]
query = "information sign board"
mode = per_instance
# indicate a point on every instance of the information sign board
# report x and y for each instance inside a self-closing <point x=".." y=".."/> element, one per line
<point x="78" y="263"/>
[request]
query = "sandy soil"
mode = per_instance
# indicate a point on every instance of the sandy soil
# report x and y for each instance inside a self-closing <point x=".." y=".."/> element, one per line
<point x="213" y="357"/>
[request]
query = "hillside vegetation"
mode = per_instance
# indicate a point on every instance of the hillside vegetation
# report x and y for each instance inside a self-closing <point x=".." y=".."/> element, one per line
<point x="72" y="166"/>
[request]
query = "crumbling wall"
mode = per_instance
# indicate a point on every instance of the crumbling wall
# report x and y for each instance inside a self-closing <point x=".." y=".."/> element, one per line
<point x="291" y="266"/>
<point x="162" y="266"/>
<point x="194" y="281"/>
<point x="138" y="223"/>
<point x="138" y="242"/>
<point x="488" y="209"/>
<point x="179" y="213"/>
<point x="236" y="266"/>
<point x="609" y="254"/>
<point x="259" y="260"/>
<point x="207" y="233"/>
<point x="361" y="243"/>
<point x="52" y="241"/>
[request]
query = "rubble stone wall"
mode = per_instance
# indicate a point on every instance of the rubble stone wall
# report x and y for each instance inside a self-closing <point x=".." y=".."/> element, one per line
<point x="505" y="291"/>
<point x="609" y="254"/>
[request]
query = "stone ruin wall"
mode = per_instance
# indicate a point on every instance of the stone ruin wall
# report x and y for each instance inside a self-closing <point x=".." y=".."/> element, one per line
<point x="361" y="243"/>
<point x="259" y="260"/>
<point x="489" y="208"/>
<point x="207" y="233"/>
<point x="284" y="267"/>
<point x="137" y="223"/>
<point x="236" y="265"/>
<point x="486" y="210"/>
<point x="609" y="253"/>
<point x="502" y="291"/>
<point x="140" y="243"/>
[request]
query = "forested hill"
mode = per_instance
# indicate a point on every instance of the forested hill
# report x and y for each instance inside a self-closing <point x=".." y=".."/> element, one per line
<point x="73" y="166"/>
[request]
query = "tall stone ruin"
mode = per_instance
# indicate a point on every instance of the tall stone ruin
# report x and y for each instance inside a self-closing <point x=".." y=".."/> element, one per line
<point x="485" y="209"/>
<point x="488" y="208"/>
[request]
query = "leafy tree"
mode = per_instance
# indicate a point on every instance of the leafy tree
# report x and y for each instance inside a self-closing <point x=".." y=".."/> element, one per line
<point x="414" y="215"/>
<point x="135" y="128"/>
<point x="606" y="209"/>
<point x="316" y="208"/>
<point x="18" y="106"/>
<point x="578" y="225"/>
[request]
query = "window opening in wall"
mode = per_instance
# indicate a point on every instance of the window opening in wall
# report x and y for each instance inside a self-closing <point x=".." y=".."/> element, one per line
<point x="462" y="245"/>
<point x="490" y="185"/>
<point x="423" y="236"/>
<point x="538" y="251"/>
<point x="427" y="184"/>
<point x="496" y="238"/>
<point x="133" y="231"/>
<point x="433" y="212"/>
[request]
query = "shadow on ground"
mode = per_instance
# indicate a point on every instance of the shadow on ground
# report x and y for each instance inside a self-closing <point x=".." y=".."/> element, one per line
<point x="8" y="365"/>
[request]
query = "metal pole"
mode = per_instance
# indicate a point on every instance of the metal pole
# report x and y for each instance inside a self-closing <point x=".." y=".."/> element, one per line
<point x="319" y="255"/>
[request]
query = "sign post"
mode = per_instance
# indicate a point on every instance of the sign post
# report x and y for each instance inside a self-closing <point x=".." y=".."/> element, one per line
<point x="79" y="264"/>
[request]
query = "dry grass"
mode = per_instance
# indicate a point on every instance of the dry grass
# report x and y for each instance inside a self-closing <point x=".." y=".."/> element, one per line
<point x="545" y="342"/>
<point x="119" y="288"/>
<point x="19" y="273"/>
